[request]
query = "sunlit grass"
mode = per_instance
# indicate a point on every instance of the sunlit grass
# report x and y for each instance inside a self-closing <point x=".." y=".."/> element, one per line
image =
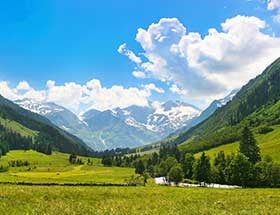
<point x="137" y="200"/>
<point x="269" y="145"/>
<point x="56" y="168"/>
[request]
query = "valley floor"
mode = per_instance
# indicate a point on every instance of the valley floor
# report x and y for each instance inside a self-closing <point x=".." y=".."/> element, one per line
<point x="152" y="199"/>
<point x="136" y="200"/>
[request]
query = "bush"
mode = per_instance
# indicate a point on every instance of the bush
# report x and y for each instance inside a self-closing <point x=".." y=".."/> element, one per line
<point x="265" y="130"/>
<point x="3" y="168"/>
<point x="135" y="181"/>
<point x="176" y="174"/>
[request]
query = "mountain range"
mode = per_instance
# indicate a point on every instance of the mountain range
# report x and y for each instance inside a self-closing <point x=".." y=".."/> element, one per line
<point x="118" y="128"/>
<point x="127" y="127"/>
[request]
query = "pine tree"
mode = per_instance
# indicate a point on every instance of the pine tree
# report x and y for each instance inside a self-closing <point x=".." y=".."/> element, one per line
<point x="220" y="165"/>
<point x="187" y="165"/>
<point x="139" y="167"/>
<point x="202" y="169"/>
<point x="249" y="147"/>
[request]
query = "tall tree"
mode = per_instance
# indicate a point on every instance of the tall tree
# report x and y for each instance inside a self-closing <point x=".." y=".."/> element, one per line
<point x="248" y="146"/>
<point x="202" y="169"/>
<point x="187" y="165"/>
<point x="139" y="167"/>
<point x="220" y="165"/>
<point x="240" y="170"/>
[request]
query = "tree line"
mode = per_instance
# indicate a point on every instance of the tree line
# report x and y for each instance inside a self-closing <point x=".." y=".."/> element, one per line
<point x="11" y="140"/>
<point x="245" y="168"/>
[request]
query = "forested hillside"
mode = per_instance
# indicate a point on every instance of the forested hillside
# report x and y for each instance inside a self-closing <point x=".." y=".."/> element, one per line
<point x="256" y="104"/>
<point x="22" y="129"/>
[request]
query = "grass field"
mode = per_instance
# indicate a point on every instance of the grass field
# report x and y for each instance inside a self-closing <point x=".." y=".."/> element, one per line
<point x="137" y="200"/>
<point x="269" y="145"/>
<point x="56" y="168"/>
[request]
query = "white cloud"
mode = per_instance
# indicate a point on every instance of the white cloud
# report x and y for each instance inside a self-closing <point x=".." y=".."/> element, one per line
<point x="175" y="89"/>
<point x="139" y="74"/>
<point x="152" y="87"/>
<point x="23" y="85"/>
<point x="79" y="97"/>
<point x="274" y="5"/>
<point x="209" y="66"/>
<point x="123" y="50"/>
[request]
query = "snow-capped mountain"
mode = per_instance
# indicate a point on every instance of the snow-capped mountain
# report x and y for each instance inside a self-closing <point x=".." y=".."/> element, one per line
<point x="128" y="127"/>
<point x="42" y="108"/>
<point x="208" y="111"/>
<point x="61" y="117"/>
<point x="135" y="126"/>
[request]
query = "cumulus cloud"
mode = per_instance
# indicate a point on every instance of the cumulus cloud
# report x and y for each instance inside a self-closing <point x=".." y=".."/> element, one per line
<point x="274" y="5"/>
<point x="139" y="74"/>
<point x="123" y="50"/>
<point x="79" y="97"/>
<point x="210" y="66"/>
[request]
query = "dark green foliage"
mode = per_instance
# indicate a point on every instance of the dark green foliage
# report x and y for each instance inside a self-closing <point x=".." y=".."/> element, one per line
<point x="219" y="169"/>
<point x="241" y="170"/>
<point x="248" y="146"/>
<point x="107" y="161"/>
<point x="175" y="174"/>
<point x="73" y="159"/>
<point x="60" y="140"/>
<point x="139" y="167"/>
<point x="202" y="169"/>
<point x="169" y="150"/>
<point x="3" y="168"/>
<point x="264" y="130"/>
<point x="187" y="165"/>
<point x="165" y="166"/>
<point x="18" y="163"/>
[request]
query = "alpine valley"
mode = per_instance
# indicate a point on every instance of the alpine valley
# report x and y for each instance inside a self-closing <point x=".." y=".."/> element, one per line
<point x="128" y="127"/>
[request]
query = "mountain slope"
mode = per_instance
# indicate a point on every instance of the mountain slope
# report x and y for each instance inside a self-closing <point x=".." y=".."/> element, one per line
<point x="111" y="131"/>
<point x="61" y="117"/>
<point x="249" y="106"/>
<point x="12" y="114"/>
<point x="137" y="126"/>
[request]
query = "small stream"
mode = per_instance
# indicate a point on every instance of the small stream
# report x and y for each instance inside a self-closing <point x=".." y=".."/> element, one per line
<point x="163" y="181"/>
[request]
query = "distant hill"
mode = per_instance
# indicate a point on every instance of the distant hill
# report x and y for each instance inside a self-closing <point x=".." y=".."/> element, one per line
<point x="256" y="104"/>
<point x="22" y="122"/>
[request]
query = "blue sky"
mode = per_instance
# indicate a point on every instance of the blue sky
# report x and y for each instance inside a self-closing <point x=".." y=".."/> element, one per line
<point x="76" y="41"/>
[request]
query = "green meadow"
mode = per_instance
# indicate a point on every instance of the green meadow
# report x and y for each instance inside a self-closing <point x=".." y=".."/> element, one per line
<point x="137" y="200"/>
<point x="152" y="199"/>
<point x="56" y="168"/>
<point x="269" y="144"/>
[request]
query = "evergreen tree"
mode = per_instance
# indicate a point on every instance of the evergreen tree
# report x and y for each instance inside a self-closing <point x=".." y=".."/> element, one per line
<point x="139" y="167"/>
<point x="187" y="165"/>
<point x="107" y="161"/>
<point x="220" y="165"/>
<point x="202" y="169"/>
<point x="241" y="170"/>
<point x="248" y="146"/>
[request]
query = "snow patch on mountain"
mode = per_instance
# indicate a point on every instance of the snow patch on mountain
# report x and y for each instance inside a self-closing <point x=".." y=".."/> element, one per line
<point x="39" y="107"/>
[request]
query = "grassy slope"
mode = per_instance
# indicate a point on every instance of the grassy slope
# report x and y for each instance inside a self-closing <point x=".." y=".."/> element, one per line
<point x="269" y="144"/>
<point x="137" y="200"/>
<point x="56" y="168"/>
<point x="17" y="127"/>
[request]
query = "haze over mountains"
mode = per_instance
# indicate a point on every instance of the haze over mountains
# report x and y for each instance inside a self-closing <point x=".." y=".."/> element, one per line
<point x="128" y="127"/>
